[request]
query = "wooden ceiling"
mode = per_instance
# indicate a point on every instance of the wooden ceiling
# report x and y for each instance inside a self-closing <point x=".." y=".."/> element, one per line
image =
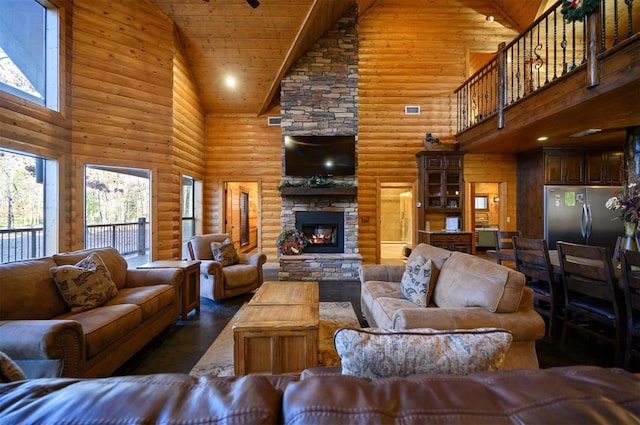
<point x="257" y="46"/>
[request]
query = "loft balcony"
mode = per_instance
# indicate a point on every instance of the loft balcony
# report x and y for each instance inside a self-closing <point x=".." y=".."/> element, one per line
<point x="558" y="79"/>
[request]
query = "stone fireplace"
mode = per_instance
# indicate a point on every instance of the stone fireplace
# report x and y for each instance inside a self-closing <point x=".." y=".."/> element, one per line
<point x="319" y="96"/>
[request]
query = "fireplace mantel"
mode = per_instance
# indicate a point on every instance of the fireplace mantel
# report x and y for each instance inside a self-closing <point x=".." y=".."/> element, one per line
<point x="319" y="191"/>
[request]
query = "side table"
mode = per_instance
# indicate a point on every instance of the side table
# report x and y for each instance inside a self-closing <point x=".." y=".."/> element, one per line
<point x="190" y="286"/>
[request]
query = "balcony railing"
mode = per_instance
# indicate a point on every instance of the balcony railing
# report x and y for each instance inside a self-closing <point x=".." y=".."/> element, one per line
<point x="127" y="238"/>
<point x="548" y="50"/>
<point x="21" y="244"/>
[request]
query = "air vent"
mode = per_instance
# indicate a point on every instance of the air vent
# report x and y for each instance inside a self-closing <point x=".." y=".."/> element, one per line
<point x="412" y="110"/>
<point x="274" y="120"/>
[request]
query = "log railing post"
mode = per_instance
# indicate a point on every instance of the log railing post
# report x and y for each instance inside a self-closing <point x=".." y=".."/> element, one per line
<point x="593" y="36"/>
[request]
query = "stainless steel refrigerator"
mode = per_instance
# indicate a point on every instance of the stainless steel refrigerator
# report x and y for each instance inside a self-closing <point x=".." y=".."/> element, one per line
<point x="578" y="214"/>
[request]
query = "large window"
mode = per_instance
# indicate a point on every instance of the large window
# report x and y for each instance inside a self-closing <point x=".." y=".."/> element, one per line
<point x="28" y="206"/>
<point x="191" y="210"/>
<point x="117" y="211"/>
<point x="29" y="50"/>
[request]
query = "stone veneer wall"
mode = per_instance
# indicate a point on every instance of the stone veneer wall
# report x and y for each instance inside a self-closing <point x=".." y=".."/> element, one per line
<point x="319" y="96"/>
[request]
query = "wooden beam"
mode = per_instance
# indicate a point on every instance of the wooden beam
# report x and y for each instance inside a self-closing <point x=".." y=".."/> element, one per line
<point x="290" y="57"/>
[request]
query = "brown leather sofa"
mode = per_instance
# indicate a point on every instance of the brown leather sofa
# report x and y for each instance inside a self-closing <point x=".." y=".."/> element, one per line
<point x="470" y="292"/>
<point x="572" y="395"/>
<point x="35" y="322"/>
<point x="218" y="282"/>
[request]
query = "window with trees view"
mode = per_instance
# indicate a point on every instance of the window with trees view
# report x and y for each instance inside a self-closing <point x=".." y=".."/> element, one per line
<point x="29" y="50"/>
<point x="28" y="206"/>
<point x="117" y="210"/>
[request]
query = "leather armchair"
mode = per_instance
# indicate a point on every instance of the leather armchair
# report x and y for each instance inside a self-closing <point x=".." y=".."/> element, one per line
<point x="218" y="282"/>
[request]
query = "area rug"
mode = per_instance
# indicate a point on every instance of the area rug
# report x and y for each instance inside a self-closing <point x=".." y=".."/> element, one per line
<point x="218" y="359"/>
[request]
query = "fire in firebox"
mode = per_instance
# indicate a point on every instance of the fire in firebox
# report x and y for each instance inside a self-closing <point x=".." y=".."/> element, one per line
<point x="322" y="235"/>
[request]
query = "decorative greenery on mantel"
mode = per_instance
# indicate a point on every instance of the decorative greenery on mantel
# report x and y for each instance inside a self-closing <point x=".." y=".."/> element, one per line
<point x="317" y="185"/>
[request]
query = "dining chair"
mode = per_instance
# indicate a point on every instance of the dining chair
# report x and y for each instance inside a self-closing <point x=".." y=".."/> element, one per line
<point x="630" y="283"/>
<point x="504" y="245"/>
<point x="592" y="301"/>
<point x="532" y="259"/>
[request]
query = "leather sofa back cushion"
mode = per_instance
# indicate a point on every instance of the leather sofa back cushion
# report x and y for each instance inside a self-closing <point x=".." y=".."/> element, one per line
<point x="115" y="262"/>
<point x="160" y="398"/>
<point x="430" y="252"/>
<point x="469" y="281"/>
<point x="202" y="244"/>
<point x="28" y="292"/>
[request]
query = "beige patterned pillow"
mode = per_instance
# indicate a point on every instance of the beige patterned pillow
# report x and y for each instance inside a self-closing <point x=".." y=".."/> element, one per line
<point x="378" y="353"/>
<point x="416" y="282"/>
<point x="85" y="285"/>
<point x="224" y="252"/>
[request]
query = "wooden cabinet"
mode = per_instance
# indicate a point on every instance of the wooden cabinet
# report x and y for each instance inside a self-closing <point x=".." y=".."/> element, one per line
<point x="604" y="168"/>
<point x="560" y="166"/>
<point x="440" y="196"/>
<point x="574" y="166"/>
<point x="564" y="167"/>
<point x="453" y="241"/>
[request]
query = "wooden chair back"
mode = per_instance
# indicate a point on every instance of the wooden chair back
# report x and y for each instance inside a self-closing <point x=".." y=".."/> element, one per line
<point x="591" y="292"/>
<point x="630" y="263"/>
<point x="504" y="239"/>
<point x="532" y="259"/>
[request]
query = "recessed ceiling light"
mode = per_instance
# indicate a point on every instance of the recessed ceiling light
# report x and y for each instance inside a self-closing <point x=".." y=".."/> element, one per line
<point x="230" y="81"/>
<point x="490" y="18"/>
<point x="586" y="132"/>
<point x="542" y="138"/>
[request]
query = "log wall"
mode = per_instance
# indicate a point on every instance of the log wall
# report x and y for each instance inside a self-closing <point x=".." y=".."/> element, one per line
<point x="128" y="100"/>
<point x="409" y="63"/>
<point x="244" y="148"/>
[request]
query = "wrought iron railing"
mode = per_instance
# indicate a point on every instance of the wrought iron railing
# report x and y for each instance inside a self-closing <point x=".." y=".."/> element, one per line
<point x="26" y="243"/>
<point x="548" y="50"/>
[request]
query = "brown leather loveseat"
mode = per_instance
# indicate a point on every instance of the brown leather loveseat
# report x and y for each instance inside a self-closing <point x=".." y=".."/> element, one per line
<point x="35" y="322"/>
<point x="576" y="395"/>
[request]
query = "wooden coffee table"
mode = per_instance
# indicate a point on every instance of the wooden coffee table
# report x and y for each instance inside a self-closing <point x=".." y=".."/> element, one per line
<point x="277" y="332"/>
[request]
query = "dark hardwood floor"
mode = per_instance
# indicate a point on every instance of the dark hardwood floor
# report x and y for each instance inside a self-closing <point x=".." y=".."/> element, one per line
<point x="179" y="348"/>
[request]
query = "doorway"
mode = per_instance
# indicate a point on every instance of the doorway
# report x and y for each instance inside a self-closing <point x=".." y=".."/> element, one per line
<point x="396" y="221"/>
<point x="241" y="215"/>
<point x="485" y="213"/>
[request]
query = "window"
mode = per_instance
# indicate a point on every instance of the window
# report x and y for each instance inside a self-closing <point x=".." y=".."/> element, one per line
<point x="188" y="219"/>
<point x="244" y="218"/>
<point x="191" y="203"/>
<point x="29" y="50"/>
<point x="117" y="211"/>
<point x="482" y="202"/>
<point x="28" y="206"/>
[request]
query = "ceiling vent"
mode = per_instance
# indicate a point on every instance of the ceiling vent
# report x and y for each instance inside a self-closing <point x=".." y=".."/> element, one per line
<point x="274" y="121"/>
<point x="412" y="110"/>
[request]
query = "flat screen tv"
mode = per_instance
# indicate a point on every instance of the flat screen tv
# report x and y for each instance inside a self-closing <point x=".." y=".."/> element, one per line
<point x="307" y="156"/>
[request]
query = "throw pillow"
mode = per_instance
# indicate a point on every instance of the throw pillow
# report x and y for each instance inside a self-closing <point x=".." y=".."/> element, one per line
<point x="9" y="370"/>
<point x="85" y="285"/>
<point x="416" y="282"/>
<point x="378" y="353"/>
<point x="224" y="252"/>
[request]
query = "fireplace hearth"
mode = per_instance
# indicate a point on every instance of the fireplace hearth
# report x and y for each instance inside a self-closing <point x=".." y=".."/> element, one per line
<point x="325" y="230"/>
